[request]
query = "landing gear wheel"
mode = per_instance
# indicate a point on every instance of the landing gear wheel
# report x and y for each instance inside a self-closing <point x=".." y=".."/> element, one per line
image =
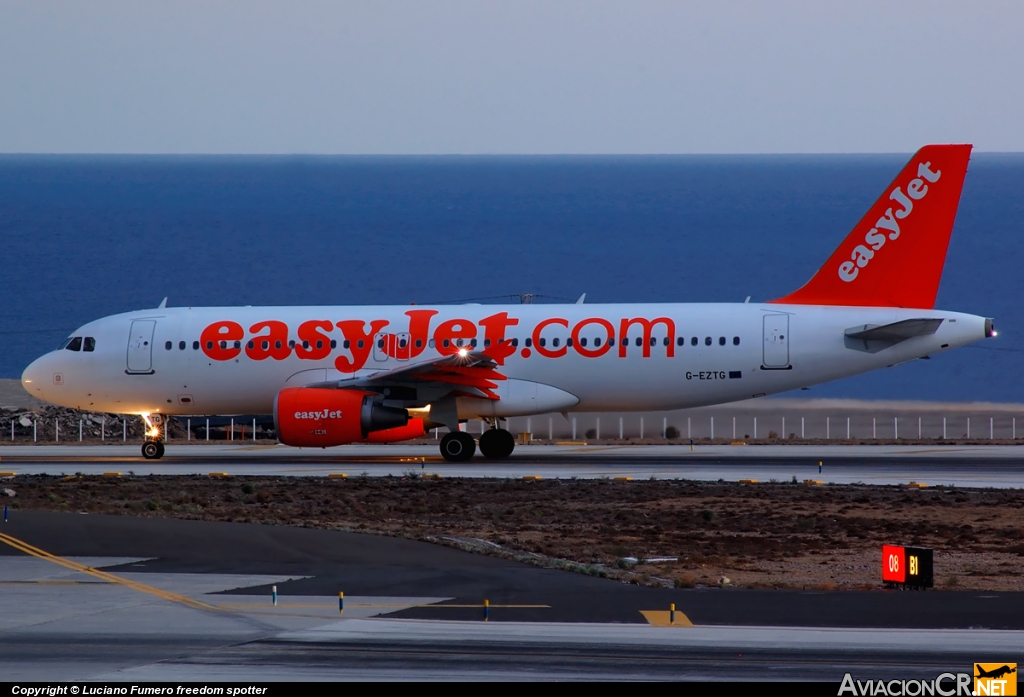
<point x="497" y="444"/>
<point x="457" y="446"/>
<point x="152" y="450"/>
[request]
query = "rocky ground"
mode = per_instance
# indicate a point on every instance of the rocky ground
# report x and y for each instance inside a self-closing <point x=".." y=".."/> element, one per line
<point x="655" y="532"/>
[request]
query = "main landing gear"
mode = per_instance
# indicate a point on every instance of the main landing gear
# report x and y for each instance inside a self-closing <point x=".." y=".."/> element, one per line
<point x="153" y="448"/>
<point x="495" y="444"/>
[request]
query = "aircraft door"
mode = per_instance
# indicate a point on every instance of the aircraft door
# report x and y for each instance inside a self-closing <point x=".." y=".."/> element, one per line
<point x="140" y="346"/>
<point x="776" y="342"/>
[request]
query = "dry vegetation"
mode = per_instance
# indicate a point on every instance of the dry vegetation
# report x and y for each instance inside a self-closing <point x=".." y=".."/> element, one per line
<point x="763" y="535"/>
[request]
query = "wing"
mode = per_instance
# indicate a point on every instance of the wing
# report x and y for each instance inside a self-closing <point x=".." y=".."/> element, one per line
<point x="466" y="373"/>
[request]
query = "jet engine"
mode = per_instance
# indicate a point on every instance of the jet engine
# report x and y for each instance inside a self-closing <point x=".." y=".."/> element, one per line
<point x="413" y="429"/>
<point x="314" y="417"/>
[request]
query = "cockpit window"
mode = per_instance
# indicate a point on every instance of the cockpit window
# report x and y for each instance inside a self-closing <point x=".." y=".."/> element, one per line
<point x="75" y="344"/>
<point x="90" y="344"/>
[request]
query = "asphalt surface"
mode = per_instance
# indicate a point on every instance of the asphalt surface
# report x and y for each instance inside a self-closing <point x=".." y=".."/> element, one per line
<point x="63" y="624"/>
<point x="957" y="465"/>
<point x="324" y="562"/>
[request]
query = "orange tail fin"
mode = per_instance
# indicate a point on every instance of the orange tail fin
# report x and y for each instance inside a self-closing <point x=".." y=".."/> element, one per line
<point x="895" y="254"/>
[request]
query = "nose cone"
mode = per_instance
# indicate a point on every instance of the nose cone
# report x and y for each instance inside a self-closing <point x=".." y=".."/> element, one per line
<point x="33" y="379"/>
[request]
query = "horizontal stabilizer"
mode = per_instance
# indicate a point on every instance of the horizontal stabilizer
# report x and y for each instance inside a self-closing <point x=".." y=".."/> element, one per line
<point x="895" y="332"/>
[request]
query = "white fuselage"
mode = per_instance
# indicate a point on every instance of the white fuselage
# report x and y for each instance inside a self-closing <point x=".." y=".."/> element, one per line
<point x="159" y="361"/>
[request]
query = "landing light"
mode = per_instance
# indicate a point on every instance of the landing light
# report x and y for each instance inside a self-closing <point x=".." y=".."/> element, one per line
<point x="152" y="431"/>
<point x="463" y="352"/>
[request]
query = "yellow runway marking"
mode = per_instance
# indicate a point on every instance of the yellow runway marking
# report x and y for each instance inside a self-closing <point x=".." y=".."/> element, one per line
<point x="103" y="575"/>
<point x="660" y="618"/>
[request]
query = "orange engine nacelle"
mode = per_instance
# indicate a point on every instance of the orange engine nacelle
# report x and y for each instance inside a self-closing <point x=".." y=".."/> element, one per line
<point x="413" y="429"/>
<point x="315" y="417"/>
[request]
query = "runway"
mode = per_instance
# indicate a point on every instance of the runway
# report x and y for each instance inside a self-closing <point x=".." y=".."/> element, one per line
<point x="934" y="465"/>
<point x="127" y="598"/>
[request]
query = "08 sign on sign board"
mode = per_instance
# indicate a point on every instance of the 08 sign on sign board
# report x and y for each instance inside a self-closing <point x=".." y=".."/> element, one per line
<point x="907" y="566"/>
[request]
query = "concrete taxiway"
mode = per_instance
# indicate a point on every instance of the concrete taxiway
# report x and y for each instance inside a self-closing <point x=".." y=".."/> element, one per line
<point x="125" y="598"/>
<point x="962" y="465"/>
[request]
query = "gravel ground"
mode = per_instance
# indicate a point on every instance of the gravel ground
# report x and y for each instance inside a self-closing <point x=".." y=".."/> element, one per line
<point x="782" y="535"/>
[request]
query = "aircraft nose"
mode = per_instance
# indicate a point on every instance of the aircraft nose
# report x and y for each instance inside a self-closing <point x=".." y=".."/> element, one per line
<point x="32" y="379"/>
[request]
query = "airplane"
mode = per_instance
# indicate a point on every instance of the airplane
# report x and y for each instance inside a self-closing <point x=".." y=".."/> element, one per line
<point x="994" y="673"/>
<point x="380" y="374"/>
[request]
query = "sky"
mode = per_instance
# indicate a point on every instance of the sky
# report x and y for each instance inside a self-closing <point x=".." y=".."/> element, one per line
<point x="511" y="77"/>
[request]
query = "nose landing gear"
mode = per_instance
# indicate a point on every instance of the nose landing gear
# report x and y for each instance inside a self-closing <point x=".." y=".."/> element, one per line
<point x="153" y="448"/>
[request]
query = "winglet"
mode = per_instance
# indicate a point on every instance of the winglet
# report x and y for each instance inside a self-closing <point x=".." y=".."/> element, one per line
<point x="162" y="305"/>
<point x="895" y="254"/>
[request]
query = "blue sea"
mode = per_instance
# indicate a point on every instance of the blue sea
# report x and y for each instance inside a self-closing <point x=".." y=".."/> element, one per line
<point x="85" y="236"/>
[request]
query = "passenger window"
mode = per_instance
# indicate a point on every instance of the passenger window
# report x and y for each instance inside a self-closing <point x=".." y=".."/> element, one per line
<point x="597" y="341"/>
<point x="419" y="343"/>
<point x="611" y="341"/>
<point x="583" y="342"/>
<point x="487" y="343"/>
<point x="334" y="343"/>
<point x="291" y="343"/>
<point x="472" y="343"/>
<point x="250" y="344"/>
<point x="277" y="344"/>
<point x="346" y="344"/>
<point x="654" y="342"/>
<point x="265" y="344"/>
<point x="401" y="343"/>
<point x="181" y="345"/>
<point x="223" y="344"/>
<point x="666" y="341"/>
<point x="209" y="345"/>
<point x="681" y="341"/>
<point x="359" y="344"/>
<point x="568" y="342"/>
<point x="238" y="344"/>
<point x="168" y="345"/>
<point x="305" y="344"/>
<point x="707" y="341"/>
<point x="446" y="343"/>
<point x="555" y="341"/>
<point x="319" y="343"/>
<point x="515" y="342"/>
<point x="693" y="341"/>
<point x="542" y="342"/>
<point x="195" y="345"/>
<point x="639" y="341"/>
<point x="735" y="341"/>
<point x="529" y="342"/>
<point x="721" y="341"/>
<point x="458" y="342"/>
